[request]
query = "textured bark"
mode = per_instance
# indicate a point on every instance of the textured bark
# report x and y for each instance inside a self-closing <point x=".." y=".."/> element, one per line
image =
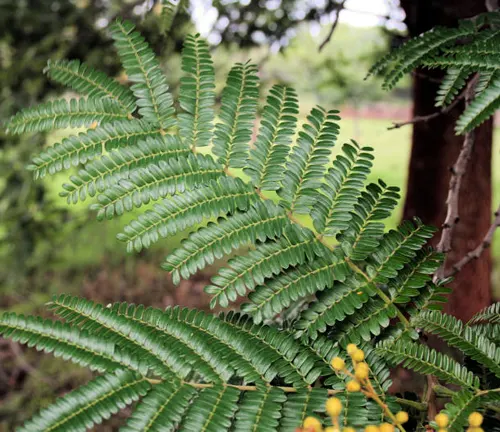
<point x="435" y="148"/>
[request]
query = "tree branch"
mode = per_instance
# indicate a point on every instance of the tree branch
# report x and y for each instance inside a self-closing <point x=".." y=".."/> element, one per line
<point x="339" y="8"/>
<point x="476" y="253"/>
<point x="457" y="172"/>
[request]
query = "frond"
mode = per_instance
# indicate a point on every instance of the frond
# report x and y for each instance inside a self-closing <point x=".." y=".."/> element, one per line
<point x="306" y="165"/>
<point x="481" y="108"/>
<point x="60" y="114"/>
<point x="150" y="84"/>
<point x="462" y="337"/>
<point x="452" y="83"/>
<point x="300" y="405"/>
<point x="168" y="12"/>
<point x="101" y="174"/>
<point x="238" y="109"/>
<point x="412" y="53"/>
<point x="490" y="314"/>
<point x="264" y="221"/>
<point x="427" y="361"/>
<point x="155" y="181"/>
<point x="78" y="149"/>
<point x="365" y="228"/>
<point x="462" y="404"/>
<point x="245" y="272"/>
<point x="161" y="409"/>
<point x="340" y="191"/>
<point x="485" y="79"/>
<point x="90" y="404"/>
<point x="484" y="62"/>
<point x="277" y="128"/>
<point x="63" y="341"/>
<point x="273" y="297"/>
<point x="197" y="95"/>
<point x="175" y="214"/>
<point x="90" y="82"/>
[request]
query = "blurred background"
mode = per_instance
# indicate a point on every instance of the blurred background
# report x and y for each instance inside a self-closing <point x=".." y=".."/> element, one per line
<point x="47" y="247"/>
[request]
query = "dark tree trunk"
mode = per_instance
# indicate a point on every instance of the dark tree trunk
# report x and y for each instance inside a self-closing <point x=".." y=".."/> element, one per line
<point x="435" y="148"/>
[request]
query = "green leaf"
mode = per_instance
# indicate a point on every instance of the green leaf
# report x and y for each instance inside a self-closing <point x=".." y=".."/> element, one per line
<point x="273" y="143"/>
<point x="213" y="241"/>
<point x="197" y="95"/>
<point x="150" y="84"/>
<point x="219" y="197"/>
<point x="90" y="82"/>
<point x="452" y="83"/>
<point x="61" y="114"/>
<point x="306" y="165"/>
<point x="90" y="404"/>
<point x="238" y="109"/>
<point x="489" y="314"/>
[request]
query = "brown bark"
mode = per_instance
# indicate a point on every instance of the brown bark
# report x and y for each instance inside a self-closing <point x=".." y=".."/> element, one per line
<point x="435" y="148"/>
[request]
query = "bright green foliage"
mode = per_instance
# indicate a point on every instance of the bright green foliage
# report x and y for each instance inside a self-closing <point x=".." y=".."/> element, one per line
<point x="197" y="95"/>
<point x="490" y="314"/>
<point x="62" y="114"/>
<point x="319" y="286"/>
<point x="92" y="83"/>
<point x="239" y="106"/>
<point x="306" y="165"/>
<point x="150" y="84"/>
<point x="277" y="127"/>
<point x="473" y="48"/>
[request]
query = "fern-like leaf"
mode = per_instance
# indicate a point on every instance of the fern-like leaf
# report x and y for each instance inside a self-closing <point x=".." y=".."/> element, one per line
<point x="150" y="85"/>
<point x="277" y="128"/>
<point x="239" y="105"/>
<point x="90" y="82"/>
<point x="427" y="361"/>
<point x="209" y="243"/>
<point x="332" y="209"/>
<point x="103" y="173"/>
<point x="60" y="114"/>
<point x="78" y="149"/>
<point x="462" y="337"/>
<point x="480" y="109"/>
<point x="90" y="404"/>
<point x="197" y="94"/>
<point x="306" y="165"/>
<point x="462" y="404"/>
<point x="452" y="83"/>
<point x="157" y="180"/>
<point x="489" y="314"/>
<point x="217" y="198"/>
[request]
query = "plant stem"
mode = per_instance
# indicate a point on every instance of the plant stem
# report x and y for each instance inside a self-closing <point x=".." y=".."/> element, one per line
<point x="420" y="406"/>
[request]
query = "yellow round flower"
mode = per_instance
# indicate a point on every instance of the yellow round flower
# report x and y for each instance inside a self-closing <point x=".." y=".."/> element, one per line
<point x="333" y="407"/>
<point x="402" y="417"/>
<point x="351" y="349"/>
<point x="475" y="419"/>
<point x="312" y="424"/>
<point x="372" y="428"/>
<point x="361" y="371"/>
<point x="442" y="420"/>
<point x="358" y="355"/>
<point x="332" y="429"/>
<point x="442" y="430"/>
<point x="353" y="386"/>
<point x="386" y="427"/>
<point x="475" y="429"/>
<point x="348" y="429"/>
<point x="337" y="363"/>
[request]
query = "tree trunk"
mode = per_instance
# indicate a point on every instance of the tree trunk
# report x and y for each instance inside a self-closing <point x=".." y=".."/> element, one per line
<point x="435" y="148"/>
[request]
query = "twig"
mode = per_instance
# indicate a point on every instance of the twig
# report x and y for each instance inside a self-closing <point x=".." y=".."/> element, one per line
<point x="426" y="118"/>
<point x="476" y="253"/>
<point x="339" y="8"/>
<point x="457" y="172"/>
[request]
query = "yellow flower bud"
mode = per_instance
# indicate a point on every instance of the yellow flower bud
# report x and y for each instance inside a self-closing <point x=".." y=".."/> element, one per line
<point x="372" y="428"/>
<point x="386" y="427"/>
<point x="402" y="417"/>
<point x="337" y="363"/>
<point x="351" y="348"/>
<point x="475" y="429"/>
<point x="312" y="424"/>
<point x="358" y="355"/>
<point x="361" y="371"/>
<point x="348" y="429"/>
<point x="333" y="407"/>
<point x="442" y="420"/>
<point x="442" y="430"/>
<point x="332" y="429"/>
<point x="353" y="386"/>
<point x="475" y="419"/>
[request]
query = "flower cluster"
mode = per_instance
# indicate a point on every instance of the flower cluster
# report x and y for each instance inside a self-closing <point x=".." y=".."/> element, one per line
<point x="475" y="421"/>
